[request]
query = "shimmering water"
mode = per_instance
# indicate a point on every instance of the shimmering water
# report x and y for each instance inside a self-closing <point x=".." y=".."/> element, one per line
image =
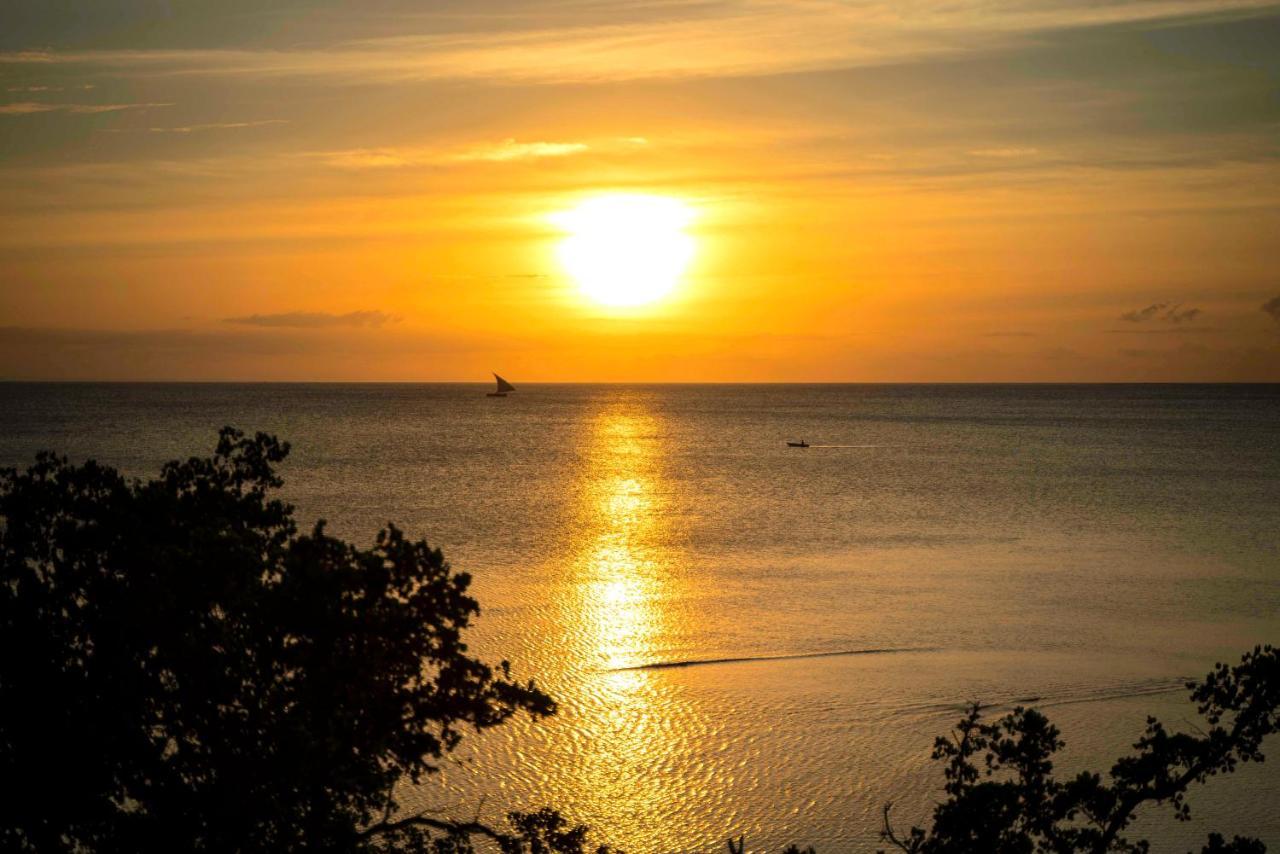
<point x="1089" y="546"/>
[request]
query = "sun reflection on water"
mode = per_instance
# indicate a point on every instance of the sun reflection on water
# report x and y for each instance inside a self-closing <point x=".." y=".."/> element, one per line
<point x="623" y="577"/>
<point x="621" y="567"/>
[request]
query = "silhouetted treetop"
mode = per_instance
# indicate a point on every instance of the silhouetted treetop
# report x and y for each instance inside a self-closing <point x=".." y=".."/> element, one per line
<point x="183" y="671"/>
<point x="1004" y="799"/>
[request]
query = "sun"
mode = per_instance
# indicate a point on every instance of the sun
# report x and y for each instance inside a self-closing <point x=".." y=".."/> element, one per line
<point x="626" y="250"/>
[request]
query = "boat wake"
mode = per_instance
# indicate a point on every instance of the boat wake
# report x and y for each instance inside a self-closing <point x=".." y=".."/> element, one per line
<point x="696" y="662"/>
<point x="1058" y="695"/>
<point x="1122" y="691"/>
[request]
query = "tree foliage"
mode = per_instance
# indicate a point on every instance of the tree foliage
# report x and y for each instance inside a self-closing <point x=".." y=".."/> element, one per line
<point x="1004" y="799"/>
<point x="184" y="671"/>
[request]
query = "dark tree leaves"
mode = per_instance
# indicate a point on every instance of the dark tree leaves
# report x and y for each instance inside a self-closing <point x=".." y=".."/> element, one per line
<point x="1004" y="799"/>
<point x="183" y="671"/>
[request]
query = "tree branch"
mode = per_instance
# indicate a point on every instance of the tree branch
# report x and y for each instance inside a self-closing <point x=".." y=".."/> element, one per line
<point x="887" y="834"/>
<point x="1210" y="760"/>
<point x="457" y="828"/>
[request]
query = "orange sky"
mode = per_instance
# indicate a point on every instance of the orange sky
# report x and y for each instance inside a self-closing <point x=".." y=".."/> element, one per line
<point x="973" y="191"/>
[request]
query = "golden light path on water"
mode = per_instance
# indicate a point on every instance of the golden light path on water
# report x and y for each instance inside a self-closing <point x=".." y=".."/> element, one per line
<point x="611" y="594"/>
<point x="622" y="574"/>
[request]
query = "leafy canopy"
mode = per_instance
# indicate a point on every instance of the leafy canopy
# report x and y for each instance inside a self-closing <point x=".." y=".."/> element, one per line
<point x="184" y="671"/>
<point x="1004" y="799"/>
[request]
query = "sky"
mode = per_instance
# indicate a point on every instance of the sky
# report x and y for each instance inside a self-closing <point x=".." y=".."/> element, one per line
<point x="877" y="190"/>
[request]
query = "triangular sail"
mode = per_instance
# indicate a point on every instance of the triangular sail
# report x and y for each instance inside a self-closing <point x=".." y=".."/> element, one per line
<point x="503" y="385"/>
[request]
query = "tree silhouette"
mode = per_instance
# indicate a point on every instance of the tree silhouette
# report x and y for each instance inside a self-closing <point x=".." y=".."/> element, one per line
<point x="1003" y="798"/>
<point x="183" y="671"/>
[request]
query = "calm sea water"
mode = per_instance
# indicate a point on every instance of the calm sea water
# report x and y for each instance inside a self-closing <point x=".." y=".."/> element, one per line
<point x="1087" y="546"/>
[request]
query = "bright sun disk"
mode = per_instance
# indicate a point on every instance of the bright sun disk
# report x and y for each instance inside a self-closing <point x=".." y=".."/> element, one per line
<point x="626" y="250"/>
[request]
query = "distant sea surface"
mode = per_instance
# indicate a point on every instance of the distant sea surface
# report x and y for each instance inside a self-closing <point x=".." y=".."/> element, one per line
<point x="747" y="638"/>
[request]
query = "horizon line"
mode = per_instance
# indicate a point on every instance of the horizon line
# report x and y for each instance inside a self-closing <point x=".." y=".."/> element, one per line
<point x="482" y="383"/>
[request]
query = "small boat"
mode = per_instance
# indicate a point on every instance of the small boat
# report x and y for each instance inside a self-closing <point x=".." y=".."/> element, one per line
<point x="801" y="444"/>
<point x="503" y="387"/>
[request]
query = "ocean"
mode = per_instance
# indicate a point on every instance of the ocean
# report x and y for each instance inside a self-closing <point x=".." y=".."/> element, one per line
<point x="747" y="638"/>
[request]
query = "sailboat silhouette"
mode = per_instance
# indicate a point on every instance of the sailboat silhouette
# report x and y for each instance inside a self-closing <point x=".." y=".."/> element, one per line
<point x="503" y="387"/>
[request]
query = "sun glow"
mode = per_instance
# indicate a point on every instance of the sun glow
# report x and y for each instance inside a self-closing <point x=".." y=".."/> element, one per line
<point x="626" y="250"/>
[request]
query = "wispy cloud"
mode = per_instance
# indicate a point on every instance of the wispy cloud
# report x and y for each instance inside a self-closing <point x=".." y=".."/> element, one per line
<point x="231" y="353"/>
<point x="1166" y="330"/>
<point x="510" y="149"/>
<point x="369" y="158"/>
<point x="1142" y="315"/>
<point x="315" y="319"/>
<point x="23" y="108"/>
<point x="202" y="127"/>
<point x="1163" y="312"/>
<point x="506" y="151"/>
<point x="694" y="38"/>
<point x="41" y="88"/>
<point x="1005" y="153"/>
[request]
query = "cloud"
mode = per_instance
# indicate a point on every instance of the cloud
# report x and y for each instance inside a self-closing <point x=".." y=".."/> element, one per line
<point x="692" y="38"/>
<point x="509" y="149"/>
<point x="1169" y="330"/>
<point x="1178" y="314"/>
<point x="23" y="108"/>
<point x="1272" y="307"/>
<point x="1162" y="311"/>
<point x="368" y="158"/>
<point x="83" y="86"/>
<point x="315" y="319"/>
<point x="241" y="354"/>
<point x="1142" y="315"/>
<point x="506" y="151"/>
<point x="1006" y="153"/>
<point x="202" y="127"/>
